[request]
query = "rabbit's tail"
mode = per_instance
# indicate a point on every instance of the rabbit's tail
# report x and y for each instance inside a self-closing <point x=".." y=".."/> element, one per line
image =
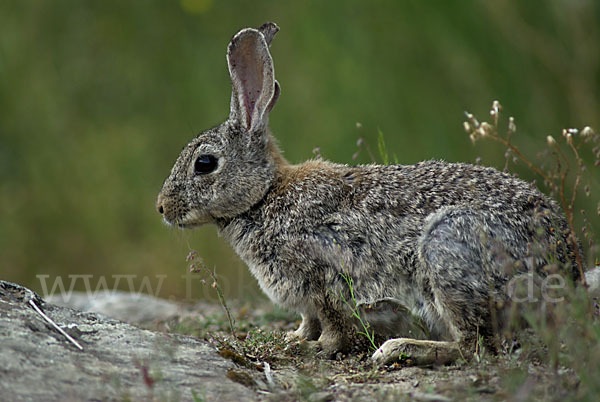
<point x="592" y="278"/>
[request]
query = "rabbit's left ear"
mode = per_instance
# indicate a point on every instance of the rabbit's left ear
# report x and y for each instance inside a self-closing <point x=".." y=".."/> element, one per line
<point x="254" y="89"/>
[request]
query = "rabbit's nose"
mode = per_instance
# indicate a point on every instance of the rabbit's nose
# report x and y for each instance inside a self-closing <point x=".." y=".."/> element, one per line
<point x="159" y="204"/>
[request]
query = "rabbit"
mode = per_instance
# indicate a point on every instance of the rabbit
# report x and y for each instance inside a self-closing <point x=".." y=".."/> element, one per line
<point x="438" y="241"/>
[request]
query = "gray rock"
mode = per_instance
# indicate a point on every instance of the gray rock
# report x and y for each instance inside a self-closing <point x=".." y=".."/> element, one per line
<point x="135" y="308"/>
<point x="118" y="361"/>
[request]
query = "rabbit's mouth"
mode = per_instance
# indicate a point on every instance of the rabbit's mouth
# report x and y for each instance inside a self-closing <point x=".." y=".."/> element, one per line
<point x="188" y="225"/>
<point x="181" y="225"/>
<point x="191" y="220"/>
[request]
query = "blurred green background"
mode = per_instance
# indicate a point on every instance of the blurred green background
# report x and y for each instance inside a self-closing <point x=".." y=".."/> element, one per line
<point x="98" y="97"/>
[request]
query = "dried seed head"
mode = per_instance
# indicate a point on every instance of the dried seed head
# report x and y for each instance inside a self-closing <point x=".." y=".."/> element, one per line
<point x="486" y="128"/>
<point x="512" y="127"/>
<point x="587" y="131"/>
<point x="569" y="138"/>
<point x="496" y="106"/>
<point x="550" y="141"/>
<point x="472" y="119"/>
<point x="495" y="111"/>
<point x="467" y="127"/>
<point x="192" y="255"/>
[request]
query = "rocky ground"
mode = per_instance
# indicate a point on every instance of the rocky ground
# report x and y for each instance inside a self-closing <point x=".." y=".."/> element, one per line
<point x="171" y="351"/>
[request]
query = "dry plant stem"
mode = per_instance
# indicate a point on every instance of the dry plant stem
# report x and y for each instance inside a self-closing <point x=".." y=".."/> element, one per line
<point x="221" y="299"/>
<point x="59" y="329"/>
<point x="578" y="177"/>
<point x="195" y="267"/>
<point x="568" y="207"/>
<point x="477" y="345"/>
<point x="529" y="164"/>
<point x="570" y="213"/>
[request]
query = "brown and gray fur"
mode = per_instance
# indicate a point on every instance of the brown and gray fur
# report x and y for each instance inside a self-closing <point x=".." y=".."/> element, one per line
<point x="441" y="240"/>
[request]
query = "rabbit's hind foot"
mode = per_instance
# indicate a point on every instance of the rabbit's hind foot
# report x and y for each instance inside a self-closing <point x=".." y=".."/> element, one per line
<point x="416" y="352"/>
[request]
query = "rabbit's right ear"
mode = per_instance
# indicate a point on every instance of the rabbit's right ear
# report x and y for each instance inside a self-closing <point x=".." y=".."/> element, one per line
<point x="254" y="89"/>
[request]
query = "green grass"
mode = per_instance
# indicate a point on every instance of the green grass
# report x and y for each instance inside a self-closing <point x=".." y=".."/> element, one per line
<point x="365" y="328"/>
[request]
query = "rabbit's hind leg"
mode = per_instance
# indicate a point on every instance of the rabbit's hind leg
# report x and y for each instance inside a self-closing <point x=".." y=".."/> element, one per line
<point x="391" y="319"/>
<point x="458" y="274"/>
<point x="461" y="255"/>
<point x="416" y="352"/>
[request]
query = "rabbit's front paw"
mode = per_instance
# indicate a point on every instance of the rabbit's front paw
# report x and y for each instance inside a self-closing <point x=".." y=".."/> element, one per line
<point x="309" y="329"/>
<point x="416" y="352"/>
<point x="329" y="345"/>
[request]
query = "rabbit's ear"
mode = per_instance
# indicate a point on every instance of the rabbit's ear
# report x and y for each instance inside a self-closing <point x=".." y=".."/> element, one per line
<point x="269" y="30"/>
<point x="255" y="90"/>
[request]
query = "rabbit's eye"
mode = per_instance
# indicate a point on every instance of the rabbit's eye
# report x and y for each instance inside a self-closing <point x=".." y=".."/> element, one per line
<point x="205" y="164"/>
